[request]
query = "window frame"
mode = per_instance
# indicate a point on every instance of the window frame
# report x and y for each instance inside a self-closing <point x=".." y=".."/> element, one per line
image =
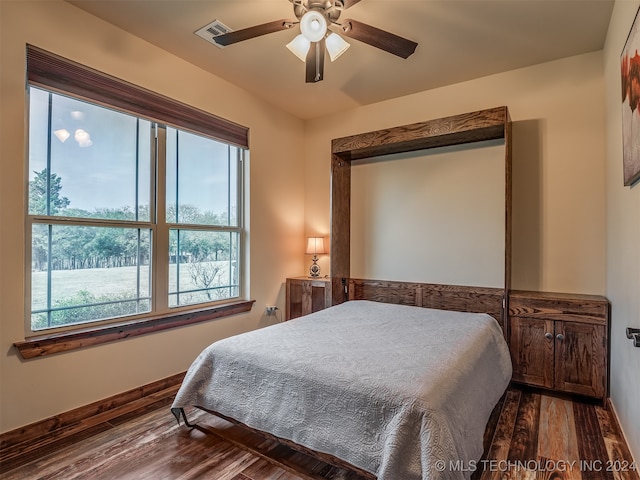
<point x="165" y="227"/>
<point x="58" y="75"/>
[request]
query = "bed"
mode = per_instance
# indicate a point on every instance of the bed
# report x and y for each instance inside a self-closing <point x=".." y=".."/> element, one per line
<point x="393" y="390"/>
<point x="396" y="388"/>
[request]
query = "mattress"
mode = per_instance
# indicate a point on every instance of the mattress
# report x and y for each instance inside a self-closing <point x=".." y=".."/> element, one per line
<point x="401" y="392"/>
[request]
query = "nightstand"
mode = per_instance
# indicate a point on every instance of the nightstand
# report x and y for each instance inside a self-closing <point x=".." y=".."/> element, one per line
<point x="560" y="341"/>
<point x="307" y="295"/>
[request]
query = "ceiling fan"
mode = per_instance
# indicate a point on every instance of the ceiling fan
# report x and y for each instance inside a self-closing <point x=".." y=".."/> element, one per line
<point x="315" y="18"/>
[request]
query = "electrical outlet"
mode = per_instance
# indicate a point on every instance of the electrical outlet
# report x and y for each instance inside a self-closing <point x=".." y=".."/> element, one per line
<point x="270" y="309"/>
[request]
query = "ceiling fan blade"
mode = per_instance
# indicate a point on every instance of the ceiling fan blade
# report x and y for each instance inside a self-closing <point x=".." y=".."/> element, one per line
<point x="379" y="38"/>
<point x="349" y="3"/>
<point x="314" y="65"/>
<point x="252" y="32"/>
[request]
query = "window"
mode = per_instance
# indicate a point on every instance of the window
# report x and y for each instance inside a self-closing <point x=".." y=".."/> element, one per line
<point x="202" y="212"/>
<point x="132" y="211"/>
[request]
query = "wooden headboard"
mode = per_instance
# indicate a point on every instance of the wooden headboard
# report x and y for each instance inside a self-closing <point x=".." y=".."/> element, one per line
<point x="430" y="295"/>
<point x="467" y="128"/>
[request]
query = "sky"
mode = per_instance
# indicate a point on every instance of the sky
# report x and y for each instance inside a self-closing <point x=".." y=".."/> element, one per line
<point x="97" y="159"/>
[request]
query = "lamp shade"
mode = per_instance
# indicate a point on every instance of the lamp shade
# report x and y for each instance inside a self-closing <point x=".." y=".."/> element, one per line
<point x="313" y="26"/>
<point x="336" y="46"/>
<point x="315" y="245"/>
<point x="299" y="46"/>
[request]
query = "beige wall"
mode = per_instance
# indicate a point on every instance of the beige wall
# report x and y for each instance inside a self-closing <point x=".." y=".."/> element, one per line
<point x="434" y="216"/>
<point x="36" y="389"/>
<point x="558" y="168"/>
<point x="623" y="240"/>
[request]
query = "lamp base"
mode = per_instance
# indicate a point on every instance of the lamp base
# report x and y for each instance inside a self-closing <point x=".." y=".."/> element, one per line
<point x="314" y="269"/>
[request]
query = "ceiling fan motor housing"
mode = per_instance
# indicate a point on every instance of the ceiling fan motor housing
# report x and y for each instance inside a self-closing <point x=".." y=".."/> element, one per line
<point x="331" y="10"/>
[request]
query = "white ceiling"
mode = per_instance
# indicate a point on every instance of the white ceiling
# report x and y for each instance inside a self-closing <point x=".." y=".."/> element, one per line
<point x="458" y="40"/>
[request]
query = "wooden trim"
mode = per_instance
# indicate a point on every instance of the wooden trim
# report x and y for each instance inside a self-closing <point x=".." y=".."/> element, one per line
<point x="470" y="127"/>
<point x="465" y="128"/>
<point x="39" y="438"/>
<point x="54" y="72"/>
<point x="508" y="215"/>
<point x="63" y="342"/>
<point x="340" y="227"/>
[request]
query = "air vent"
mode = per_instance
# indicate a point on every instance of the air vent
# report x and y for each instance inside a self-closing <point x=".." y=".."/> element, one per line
<point x="212" y="30"/>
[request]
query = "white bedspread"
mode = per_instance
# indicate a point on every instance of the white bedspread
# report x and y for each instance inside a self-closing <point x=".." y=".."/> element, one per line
<point x="388" y="388"/>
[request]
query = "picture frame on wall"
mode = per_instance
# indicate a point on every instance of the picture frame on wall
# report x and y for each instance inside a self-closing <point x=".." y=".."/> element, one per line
<point x="630" y="75"/>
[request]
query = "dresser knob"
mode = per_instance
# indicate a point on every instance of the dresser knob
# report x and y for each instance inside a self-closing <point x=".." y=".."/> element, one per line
<point x="560" y="337"/>
<point x="548" y="336"/>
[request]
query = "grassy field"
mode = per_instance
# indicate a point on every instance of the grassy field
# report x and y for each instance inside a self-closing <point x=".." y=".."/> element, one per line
<point x="102" y="282"/>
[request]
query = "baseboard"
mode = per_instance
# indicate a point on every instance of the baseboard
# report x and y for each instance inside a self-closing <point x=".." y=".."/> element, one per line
<point x="614" y="414"/>
<point x="31" y="441"/>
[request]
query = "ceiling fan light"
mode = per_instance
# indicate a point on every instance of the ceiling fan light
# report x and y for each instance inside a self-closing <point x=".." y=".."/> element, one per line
<point x="62" y="134"/>
<point x="299" y="46"/>
<point x="336" y="46"/>
<point x="83" y="138"/>
<point x="313" y="26"/>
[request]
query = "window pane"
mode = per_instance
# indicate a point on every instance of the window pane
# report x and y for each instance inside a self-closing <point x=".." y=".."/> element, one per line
<point x="99" y="160"/>
<point x="81" y="274"/>
<point x="143" y="199"/>
<point x="203" y="266"/>
<point x="38" y="141"/>
<point x="202" y="176"/>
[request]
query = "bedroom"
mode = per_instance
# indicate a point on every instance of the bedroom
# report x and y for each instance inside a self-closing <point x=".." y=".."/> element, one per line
<point x="584" y="239"/>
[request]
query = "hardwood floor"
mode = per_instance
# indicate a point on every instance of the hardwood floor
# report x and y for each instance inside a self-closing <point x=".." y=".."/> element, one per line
<point x="529" y="436"/>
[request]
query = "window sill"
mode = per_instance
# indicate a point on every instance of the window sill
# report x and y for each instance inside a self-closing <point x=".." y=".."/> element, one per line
<point x="63" y="342"/>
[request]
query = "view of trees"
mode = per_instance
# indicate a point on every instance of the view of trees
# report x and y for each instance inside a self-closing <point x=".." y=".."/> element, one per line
<point x="205" y="258"/>
<point x="80" y="247"/>
<point x="38" y="194"/>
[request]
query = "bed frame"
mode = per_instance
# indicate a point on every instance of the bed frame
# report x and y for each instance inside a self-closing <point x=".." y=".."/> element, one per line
<point x="323" y="457"/>
<point x="479" y="126"/>
<point x="466" y="128"/>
